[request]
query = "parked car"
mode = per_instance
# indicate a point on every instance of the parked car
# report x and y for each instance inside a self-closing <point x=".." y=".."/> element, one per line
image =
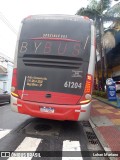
<point x="4" y="97"/>
<point x="118" y="86"/>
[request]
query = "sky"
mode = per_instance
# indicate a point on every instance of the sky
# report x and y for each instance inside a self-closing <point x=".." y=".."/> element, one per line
<point x="14" y="11"/>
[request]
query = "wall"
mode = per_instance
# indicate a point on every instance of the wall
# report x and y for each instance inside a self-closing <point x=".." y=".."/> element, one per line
<point x="6" y="74"/>
<point x="3" y="83"/>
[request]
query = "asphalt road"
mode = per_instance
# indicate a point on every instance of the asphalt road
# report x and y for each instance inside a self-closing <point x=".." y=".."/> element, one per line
<point x="24" y="133"/>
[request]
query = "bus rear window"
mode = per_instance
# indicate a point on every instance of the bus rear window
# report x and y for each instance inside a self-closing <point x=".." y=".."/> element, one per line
<point x="51" y="47"/>
<point x="59" y="38"/>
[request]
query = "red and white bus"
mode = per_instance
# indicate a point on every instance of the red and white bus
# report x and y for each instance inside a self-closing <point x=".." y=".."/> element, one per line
<point x="54" y="67"/>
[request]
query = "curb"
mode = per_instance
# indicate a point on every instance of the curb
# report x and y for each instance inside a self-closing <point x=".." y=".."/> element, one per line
<point x="106" y="102"/>
<point x="101" y="139"/>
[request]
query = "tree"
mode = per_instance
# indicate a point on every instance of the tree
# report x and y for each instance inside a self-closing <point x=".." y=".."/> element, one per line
<point x="113" y="11"/>
<point x="95" y="11"/>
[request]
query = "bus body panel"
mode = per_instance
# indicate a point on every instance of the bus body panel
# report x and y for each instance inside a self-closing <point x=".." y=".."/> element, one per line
<point x="59" y="84"/>
<point x="62" y="112"/>
<point x="14" y="104"/>
<point x="49" y="97"/>
<point x="53" y="59"/>
<point x="52" y="66"/>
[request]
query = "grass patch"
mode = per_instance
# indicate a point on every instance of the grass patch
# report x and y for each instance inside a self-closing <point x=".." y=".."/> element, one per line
<point x="113" y="103"/>
<point x="100" y="94"/>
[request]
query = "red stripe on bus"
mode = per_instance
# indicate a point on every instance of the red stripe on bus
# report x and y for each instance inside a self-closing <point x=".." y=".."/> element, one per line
<point x="55" y="39"/>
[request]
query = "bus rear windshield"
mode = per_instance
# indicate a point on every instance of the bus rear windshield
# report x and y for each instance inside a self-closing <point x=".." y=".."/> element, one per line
<point x="55" y="37"/>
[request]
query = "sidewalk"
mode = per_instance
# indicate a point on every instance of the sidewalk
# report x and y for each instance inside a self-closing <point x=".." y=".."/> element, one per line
<point x="105" y="120"/>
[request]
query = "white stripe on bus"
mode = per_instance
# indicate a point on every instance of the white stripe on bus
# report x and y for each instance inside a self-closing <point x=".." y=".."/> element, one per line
<point x="28" y="144"/>
<point x="23" y="87"/>
<point x="71" y="146"/>
<point x="4" y="132"/>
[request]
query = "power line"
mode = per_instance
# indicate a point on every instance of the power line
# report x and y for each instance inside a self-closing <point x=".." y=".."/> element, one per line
<point x="3" y="18"/>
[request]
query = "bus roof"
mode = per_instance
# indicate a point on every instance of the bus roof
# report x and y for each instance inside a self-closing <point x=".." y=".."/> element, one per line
<point x="58" y="17"/>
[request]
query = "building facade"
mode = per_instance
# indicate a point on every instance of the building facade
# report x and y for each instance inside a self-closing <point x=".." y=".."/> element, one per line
<point x="112" y="56"/>
<point x="6" y="69"/>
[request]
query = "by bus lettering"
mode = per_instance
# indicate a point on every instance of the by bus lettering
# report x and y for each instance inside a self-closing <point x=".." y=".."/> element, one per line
<point x="74" y="85"/>
<point x="47" y="47"/>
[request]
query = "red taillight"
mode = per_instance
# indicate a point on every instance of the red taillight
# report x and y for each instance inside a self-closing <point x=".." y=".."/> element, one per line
<point x="88" y="85"/>
<point x="85" y="17"/>
<point x="28" y="17"/>
<point x="14" y="84"/>
<point x="87" y="95"/>
<point x="14" y="78"/>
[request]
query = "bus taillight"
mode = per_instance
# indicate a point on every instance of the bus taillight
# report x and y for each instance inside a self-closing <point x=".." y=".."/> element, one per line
<point x="87" y="96"/>
<point x="14" y="83"/>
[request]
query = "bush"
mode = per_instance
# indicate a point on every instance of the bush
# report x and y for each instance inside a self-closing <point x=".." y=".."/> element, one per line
<point x="100" y="93"/>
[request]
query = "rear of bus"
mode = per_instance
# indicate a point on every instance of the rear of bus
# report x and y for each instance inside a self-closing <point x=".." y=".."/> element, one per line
<point x="54" y="67"/>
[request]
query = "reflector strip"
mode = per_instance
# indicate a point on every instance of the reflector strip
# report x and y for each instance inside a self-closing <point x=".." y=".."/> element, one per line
<point x="83" y="110"/>
<point x="19" y="105"/>
<point x="15" y="104"/>
<point x="77" y="110"/>
<point x="86" y="101"/>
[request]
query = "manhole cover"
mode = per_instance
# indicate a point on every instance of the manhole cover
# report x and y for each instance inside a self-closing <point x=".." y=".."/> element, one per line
<point x="42" y="127"/>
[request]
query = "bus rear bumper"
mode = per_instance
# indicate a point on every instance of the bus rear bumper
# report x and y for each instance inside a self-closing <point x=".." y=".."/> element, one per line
<point x="61" y="112"/>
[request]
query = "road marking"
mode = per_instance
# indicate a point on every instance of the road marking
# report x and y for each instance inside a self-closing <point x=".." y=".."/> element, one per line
<point x="4" y="132"/>
<point x="28" y="144"/>
<point x="71" y="146"/>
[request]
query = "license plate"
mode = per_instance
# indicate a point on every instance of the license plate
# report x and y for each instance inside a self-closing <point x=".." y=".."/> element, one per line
<point x="47" y="109"/>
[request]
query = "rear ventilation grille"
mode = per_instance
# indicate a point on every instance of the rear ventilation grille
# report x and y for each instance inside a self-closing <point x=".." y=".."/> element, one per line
<point x="52" y="61"/>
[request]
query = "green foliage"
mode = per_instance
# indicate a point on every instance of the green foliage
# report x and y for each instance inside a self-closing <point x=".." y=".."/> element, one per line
<point x="91" y="13"/>
<point x="103" y="5"/>
<point x="114" y="11"/>
<point x="100" y="93"/>
<point x="93" y="4"/>
<point x="95" y="8"/>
